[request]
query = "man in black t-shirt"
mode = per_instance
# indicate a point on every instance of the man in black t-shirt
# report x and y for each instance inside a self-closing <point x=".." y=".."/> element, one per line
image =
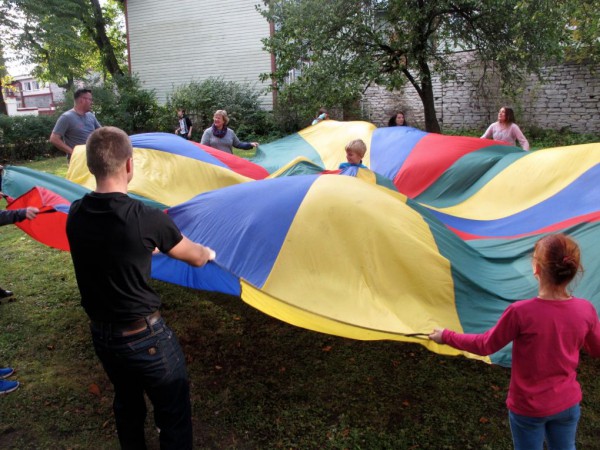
<point x="112" y="238"/>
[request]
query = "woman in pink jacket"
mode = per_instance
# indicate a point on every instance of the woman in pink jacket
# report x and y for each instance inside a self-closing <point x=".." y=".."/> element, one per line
<point x="547" y="333"/>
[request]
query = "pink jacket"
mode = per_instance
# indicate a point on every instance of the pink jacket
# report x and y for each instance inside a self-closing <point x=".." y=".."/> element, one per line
<point x="547" y="336"/>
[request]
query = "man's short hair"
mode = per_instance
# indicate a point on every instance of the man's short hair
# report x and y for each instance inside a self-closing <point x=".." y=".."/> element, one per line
<point x="107" y="149"/>
<point x="79" y="92"/>
<point x="357" y="146"/>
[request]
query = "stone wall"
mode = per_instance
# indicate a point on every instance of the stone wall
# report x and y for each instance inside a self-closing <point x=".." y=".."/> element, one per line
<point x="568" y="99"/>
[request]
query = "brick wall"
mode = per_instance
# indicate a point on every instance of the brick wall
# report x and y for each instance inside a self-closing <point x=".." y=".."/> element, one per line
<point x="569" y="98"/>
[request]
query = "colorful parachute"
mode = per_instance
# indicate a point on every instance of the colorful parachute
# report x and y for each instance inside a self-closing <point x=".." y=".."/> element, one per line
<point x="352" y="256"/>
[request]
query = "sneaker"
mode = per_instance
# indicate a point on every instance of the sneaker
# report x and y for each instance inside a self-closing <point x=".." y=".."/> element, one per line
<point x="8" y="386"/>
<point x="5" y="296"/>
<point x="6" y="372"/>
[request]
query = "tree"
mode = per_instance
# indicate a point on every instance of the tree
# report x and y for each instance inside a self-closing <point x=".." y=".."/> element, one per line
<point x="3" y="79"/>
<point x="391" y="42"/>
<point x="65" y="39"/>
<point x="583" y="31"/>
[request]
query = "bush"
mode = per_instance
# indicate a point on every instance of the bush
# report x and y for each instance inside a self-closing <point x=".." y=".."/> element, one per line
<point x="123" y="103"/>
<point x="120" y="102"/>
<point x="26" y="137"/>
<point x="299" y="101"/>
<point x="541" y="138"/>
<point x="240" y="100"/>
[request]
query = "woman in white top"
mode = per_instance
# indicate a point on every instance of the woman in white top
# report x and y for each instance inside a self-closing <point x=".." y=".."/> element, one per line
<point x="506" y="129"/>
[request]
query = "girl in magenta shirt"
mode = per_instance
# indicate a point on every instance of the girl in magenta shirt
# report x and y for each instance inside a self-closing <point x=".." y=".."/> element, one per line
<point x="547" y="333"/>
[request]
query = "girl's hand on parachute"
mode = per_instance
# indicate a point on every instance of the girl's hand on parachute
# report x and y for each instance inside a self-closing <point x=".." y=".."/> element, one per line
<point x="436" y="336"/>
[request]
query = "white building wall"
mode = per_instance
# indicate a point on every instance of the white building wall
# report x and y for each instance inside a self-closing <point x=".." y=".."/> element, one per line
<point x="175" y="42"/>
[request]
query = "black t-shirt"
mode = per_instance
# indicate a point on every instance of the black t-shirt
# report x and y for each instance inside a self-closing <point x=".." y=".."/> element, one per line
<point x="112" y="237"/>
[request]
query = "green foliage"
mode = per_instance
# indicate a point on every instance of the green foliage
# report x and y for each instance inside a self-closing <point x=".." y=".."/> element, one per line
<point x="583" y="31"/>
<point x="339" y="47"/>
<point x="240" y="100"/>
<point x="541" y="138"/>
<point x="120" y="102"/>
<point x="63" y="39"/>
<point x="298" y="103"/>
<point x="25" y="137"/>
<point x="123" y="103"/>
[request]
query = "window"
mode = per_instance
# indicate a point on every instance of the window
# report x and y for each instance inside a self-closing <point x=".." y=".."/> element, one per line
<point x="31" y="86"/>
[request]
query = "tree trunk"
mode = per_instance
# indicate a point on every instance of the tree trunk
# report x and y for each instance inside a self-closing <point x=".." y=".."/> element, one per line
<point x="426" y="93"/>
<point x="3" y="108"/>
<point x="101" y="39"/>
<point x="3" y="73"/>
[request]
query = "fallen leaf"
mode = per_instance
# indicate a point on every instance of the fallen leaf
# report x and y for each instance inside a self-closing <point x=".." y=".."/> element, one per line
<point x="484" y="420"/>
<point x="94" y="389"/>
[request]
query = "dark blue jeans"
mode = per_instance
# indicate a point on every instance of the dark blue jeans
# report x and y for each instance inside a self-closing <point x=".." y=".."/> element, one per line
<point x="558" y="430"/>
<point x="150" y="361"/>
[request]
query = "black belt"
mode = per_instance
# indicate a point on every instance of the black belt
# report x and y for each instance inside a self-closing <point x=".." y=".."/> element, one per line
<point x="125" y="328"/>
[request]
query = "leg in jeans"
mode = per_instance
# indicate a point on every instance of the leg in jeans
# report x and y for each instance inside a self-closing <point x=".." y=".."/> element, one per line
<point x="562" y="428"/>
<point x="129" y="406"/>
<point x="171" y="398"/>
<point x="527" y="432"/>
<point x="150" y="361"/>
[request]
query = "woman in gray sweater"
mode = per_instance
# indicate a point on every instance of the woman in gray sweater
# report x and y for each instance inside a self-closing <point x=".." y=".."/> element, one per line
<point x="222" y="138"/>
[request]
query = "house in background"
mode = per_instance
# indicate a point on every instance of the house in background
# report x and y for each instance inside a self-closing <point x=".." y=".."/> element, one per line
<point x="27" y="96"/>
<point x="172" y="43"/>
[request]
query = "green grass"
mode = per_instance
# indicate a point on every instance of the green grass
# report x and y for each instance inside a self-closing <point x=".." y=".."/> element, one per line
<point x="256" y="383"/>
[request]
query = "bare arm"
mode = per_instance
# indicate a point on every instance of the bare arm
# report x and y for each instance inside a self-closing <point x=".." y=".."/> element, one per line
<point x="56" y="140"/>
<point x="194" y="254"/>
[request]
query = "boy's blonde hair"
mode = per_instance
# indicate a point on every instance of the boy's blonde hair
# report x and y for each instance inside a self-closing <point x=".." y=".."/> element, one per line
<point x="357" y="146"/>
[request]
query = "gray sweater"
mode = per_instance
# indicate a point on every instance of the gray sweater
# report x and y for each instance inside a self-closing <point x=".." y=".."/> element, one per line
<point x="225" y="143"/>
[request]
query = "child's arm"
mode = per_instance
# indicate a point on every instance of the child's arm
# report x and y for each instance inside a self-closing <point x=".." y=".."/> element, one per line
<point x="592" y="340"/>
<point x="480" y="344"/>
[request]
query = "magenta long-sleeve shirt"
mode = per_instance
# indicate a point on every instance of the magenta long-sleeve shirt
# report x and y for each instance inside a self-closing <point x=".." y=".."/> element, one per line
<point x="547" y="336"/>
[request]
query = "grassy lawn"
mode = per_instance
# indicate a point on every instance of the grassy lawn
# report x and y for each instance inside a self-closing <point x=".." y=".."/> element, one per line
<point x="257" y="383"/>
